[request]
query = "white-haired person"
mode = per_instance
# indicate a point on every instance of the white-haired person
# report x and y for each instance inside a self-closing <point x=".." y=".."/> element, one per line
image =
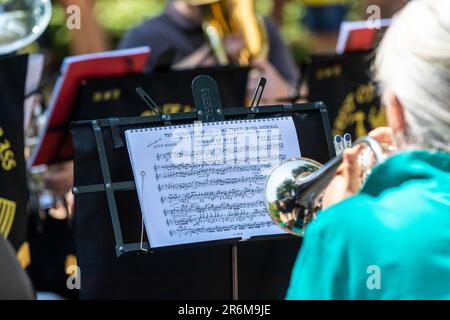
<point x="391" y="239"/>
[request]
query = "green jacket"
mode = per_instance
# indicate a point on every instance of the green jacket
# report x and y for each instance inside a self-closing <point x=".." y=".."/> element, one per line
<point x="390" y="241"/>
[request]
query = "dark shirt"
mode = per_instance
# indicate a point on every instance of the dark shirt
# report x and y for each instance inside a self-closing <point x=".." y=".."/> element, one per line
<point x="14" y="282"/>
<point x="173" y="30"/>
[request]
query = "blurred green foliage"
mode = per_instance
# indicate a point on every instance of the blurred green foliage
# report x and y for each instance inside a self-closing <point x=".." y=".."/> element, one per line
<point x="118" y="16"/>
<point x="58" y="36"/>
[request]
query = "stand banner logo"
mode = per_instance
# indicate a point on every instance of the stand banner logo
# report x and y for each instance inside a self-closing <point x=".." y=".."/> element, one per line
<point x="7" y="213"/>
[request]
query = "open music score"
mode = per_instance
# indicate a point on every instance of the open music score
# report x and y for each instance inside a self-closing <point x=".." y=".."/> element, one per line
<point x="205" y="182"/>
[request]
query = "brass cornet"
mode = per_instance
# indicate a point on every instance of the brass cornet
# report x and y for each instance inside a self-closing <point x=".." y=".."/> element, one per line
<point x="293" y="192"/>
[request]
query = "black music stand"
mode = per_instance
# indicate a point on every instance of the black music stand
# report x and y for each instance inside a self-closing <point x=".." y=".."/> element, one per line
<point x="344" y="84"/>
<point x="13" y="176"/>
<point x="209" y="109"/>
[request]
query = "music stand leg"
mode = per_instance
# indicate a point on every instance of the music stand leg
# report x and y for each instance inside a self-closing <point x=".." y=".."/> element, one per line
<point x="234" y="269"/>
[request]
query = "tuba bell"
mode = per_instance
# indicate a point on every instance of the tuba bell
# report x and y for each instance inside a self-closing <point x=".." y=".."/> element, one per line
<point x="294" y="190"/>
<point x="222" y="18"/>
<point x="22" y="22"/>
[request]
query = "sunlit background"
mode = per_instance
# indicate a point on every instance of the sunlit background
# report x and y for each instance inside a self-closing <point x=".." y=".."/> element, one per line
<point x="118" y="16"/>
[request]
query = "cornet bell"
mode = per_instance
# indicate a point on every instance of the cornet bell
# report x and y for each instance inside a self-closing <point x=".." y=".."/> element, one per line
<point x="294" y="190"/>
<point x="284" y="192"/>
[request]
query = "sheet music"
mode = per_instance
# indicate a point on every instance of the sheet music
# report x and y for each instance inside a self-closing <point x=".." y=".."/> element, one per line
<point x="205" y="182"/>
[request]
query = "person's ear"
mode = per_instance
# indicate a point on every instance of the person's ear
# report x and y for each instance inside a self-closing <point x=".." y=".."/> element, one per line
<point x="395" y="113"/>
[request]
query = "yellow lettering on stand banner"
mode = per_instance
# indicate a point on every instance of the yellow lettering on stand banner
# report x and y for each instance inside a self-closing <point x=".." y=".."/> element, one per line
<point x="7" y="213"/>
<point x="7" y="159"/>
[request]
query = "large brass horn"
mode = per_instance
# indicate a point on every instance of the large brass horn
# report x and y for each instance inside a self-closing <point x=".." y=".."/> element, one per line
<point x="294" y="190"/>
<point x="230" y="17"/>
<point x="22" y="22"/>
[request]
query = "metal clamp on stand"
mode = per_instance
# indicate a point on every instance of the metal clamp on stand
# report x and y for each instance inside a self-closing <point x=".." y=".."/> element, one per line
<point x="207" y="99"/>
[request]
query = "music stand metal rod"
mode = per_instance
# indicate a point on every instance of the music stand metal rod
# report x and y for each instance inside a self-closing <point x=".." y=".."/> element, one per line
<point x="234" y="271"/>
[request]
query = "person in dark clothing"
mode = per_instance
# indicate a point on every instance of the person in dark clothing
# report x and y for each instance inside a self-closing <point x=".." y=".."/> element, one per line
<point x="14" y="282"/>
<point x="180" y="28"/>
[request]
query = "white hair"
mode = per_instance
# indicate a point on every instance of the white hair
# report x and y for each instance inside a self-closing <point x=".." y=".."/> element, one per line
<point x="413" y="61"/>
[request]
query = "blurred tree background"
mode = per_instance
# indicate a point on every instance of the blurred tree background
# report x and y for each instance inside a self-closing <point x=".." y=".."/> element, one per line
<point x="118" y="16"/>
